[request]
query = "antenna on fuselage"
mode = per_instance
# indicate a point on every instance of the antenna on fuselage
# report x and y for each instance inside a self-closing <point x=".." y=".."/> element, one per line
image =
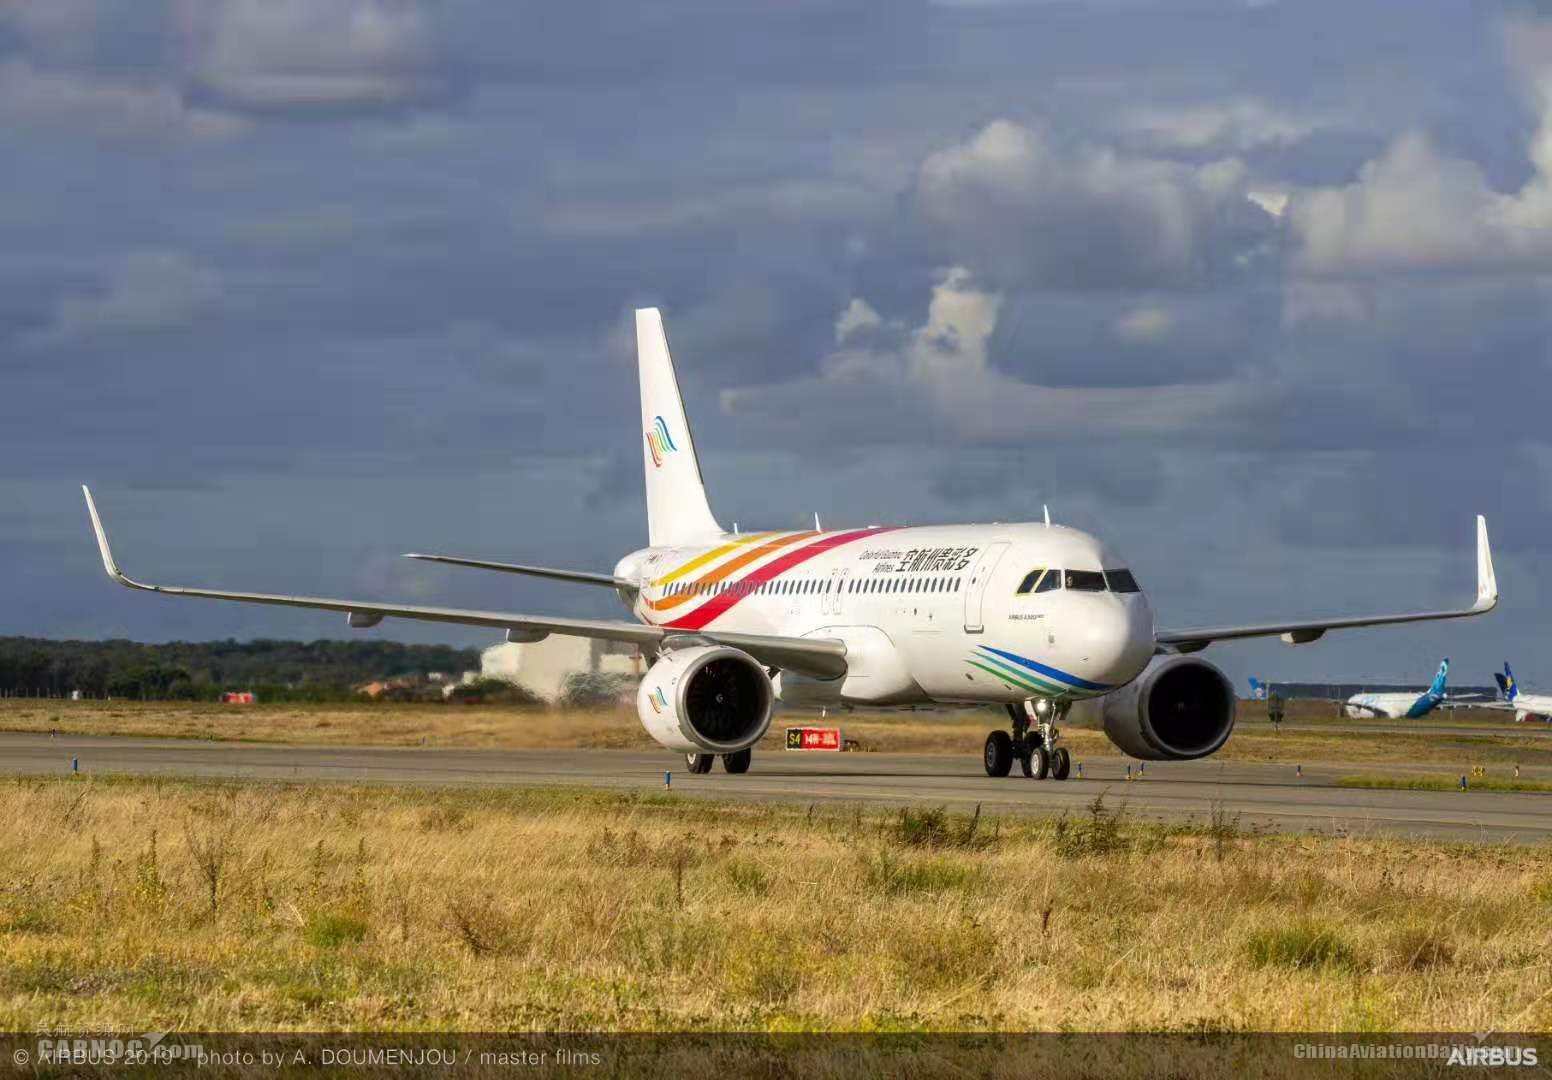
<point x="817" y="527"/>
<point x="1047" y="510"/>
<point x="735" y="528"/>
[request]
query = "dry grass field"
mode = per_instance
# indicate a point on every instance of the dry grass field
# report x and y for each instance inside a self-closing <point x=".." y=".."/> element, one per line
<point x="239" y="907"/>
<point x="369" y="724"/>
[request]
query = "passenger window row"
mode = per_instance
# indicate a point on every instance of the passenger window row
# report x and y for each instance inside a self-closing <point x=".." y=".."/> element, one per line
<point x="806" y="586"/>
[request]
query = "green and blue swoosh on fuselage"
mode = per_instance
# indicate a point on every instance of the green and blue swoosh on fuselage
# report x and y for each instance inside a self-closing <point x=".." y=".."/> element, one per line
<point x="1041" y="680"/>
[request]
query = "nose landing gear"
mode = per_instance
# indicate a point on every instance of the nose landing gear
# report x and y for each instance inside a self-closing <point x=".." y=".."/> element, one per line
<point x="1033" y="742"/>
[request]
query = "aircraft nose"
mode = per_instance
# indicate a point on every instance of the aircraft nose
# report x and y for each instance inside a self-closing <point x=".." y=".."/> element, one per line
<point x="1117" y="639"/>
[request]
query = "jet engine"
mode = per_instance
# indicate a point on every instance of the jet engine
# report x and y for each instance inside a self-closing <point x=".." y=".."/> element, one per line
<point x="706" y="699"/>
<point x="1180" y="708"/>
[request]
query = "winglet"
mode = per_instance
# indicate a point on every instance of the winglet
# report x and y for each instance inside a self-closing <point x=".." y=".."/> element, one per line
<point x="1487" y="581"/>
<point x="102" y="540"/>
<point x="107" y="553"/>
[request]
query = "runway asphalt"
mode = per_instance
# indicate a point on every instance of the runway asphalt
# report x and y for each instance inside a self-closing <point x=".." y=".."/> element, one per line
<point x="1265" y="796"/>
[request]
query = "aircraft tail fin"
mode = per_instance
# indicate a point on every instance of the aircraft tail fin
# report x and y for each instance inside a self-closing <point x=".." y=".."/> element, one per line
<point x="677" y="510"/>
<point x="1257" y="688"/>
<point x="1439" y="680"/>
<point x="1506" y="683"/>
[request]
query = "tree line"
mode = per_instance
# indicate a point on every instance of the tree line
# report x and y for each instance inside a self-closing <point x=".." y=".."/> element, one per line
<point x="202" y="670"/>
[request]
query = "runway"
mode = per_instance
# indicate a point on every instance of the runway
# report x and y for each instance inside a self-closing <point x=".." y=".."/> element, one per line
<point x="1264" y="796"/>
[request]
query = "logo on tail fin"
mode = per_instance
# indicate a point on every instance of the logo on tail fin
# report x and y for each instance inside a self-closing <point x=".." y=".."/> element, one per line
<point x="659" y="441"/>
<point x="1506" y="683"/>
<point x="1437" y="689"/>
<point x="1257" y="689"/>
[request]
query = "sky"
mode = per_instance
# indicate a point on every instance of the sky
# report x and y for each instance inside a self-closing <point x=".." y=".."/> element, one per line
<point x="1257" y="291"/>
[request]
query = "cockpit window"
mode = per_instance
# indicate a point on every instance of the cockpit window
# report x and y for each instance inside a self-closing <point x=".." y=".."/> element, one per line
<point x="1085" y="580"/>
<point x="1040" y="579"/>
<point x="1122" y="581"/>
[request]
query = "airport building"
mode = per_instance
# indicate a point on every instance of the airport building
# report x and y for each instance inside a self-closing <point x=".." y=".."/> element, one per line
<point x="545" y="668"/>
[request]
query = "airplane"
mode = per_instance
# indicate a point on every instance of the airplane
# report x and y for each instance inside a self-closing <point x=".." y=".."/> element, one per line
<point x="1525" y="706"/>
<point x="1258" y="689"/>
<point x="1029" y="617"/>
<point x="1404" y="705"/>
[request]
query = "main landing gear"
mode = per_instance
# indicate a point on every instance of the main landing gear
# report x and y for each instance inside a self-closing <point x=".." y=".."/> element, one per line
<point x="736" y="762"/>
<point x="1033" y="742"/>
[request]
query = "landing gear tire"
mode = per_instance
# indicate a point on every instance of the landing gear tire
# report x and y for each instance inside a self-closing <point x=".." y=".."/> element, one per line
<point x="699" y="764"/>
<point x="1061" y="763"/>
<point x="1038" y="763"/>
<point x="736" y="762"/>
<point x="999" y="753"/>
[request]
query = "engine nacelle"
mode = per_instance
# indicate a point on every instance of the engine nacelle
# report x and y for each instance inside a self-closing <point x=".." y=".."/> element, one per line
<point x="1178" y="709"/>
<point x="707" y="699"/>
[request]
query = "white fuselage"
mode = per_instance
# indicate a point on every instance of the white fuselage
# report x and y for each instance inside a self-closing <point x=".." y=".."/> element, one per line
<point x="1392" y="706"/>
<point x="930" y="614"/>
<point x="1532" y="706"/>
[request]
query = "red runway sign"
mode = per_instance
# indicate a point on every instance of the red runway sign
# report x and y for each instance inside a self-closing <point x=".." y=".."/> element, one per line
<point x="813" y="738"/>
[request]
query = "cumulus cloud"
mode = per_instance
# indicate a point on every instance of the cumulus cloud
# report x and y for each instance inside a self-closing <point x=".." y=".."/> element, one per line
<point x="285" y="54"/>
<point x="1022" y="209"/>
<point x="939" y="380"/>
<point x="1236" y="126"/>
<point x="859" y="316"/>
<point x="145" y="291"/>
<point x="1416" y="207"/>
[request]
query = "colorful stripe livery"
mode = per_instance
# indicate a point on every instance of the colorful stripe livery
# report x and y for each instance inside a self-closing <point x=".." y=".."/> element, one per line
<point x="658" y="699"/>
<point x="719" y="603"/>
<point x="721" y="573"/>
<point x="711" y="556"/>
<point x="1031" y="675"/>
<point x="659" y="441"/>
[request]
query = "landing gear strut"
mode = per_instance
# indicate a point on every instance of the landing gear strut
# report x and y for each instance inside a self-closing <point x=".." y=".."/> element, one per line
<point x="1033" y="742"/>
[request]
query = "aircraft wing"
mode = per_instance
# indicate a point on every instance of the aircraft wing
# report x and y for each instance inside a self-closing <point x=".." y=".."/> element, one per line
<point x="823" y="658"/>
<point x="581" y="576"/>
<point x="1297" y="632"/>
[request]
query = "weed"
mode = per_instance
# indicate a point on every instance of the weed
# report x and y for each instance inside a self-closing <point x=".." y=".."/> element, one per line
<point x="934" y="827"/>
<point x="327" y="930"/>
<point x="150" y="889"/>
<point x="892" y="875"/>
<point x="1419" y="946"/>
<point x="480" y="924"/>
<point x="1100" y="834"/>
<point x="1305" y="945"/>
<point x="747" y="877"/>
<point x="1223" y="828"/>
<point x="209" y="854"/>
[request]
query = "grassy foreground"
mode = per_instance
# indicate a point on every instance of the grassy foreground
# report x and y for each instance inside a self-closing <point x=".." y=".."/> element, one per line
<point x="368" y="724"/>
<point x="145" y="904"/>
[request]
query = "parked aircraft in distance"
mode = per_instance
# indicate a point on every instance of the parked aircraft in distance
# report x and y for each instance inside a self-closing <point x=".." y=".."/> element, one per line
<point x="1027" y="617"/>
<point x="1258" y="689"/>
<point x="1525" y="706"/>
<point x="1403" y="705"/>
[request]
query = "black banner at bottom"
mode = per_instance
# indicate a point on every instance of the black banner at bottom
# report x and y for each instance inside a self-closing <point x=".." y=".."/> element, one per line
<point x="845" y="1057"/>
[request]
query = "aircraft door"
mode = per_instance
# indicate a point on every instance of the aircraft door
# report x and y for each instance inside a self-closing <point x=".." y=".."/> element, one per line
<point x="975" y="588"/>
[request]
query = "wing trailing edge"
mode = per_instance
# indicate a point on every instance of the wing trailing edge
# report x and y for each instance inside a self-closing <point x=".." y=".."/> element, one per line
<point x="1298" y="632"/>
<point x="823" y="658"/>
